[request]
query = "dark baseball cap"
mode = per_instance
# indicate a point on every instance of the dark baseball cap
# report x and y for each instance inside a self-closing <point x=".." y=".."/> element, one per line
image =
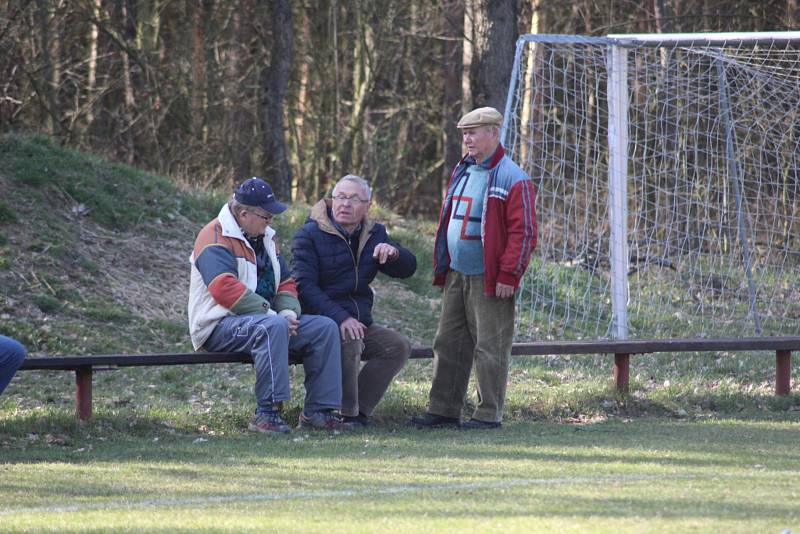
<point x="257" y="193"/>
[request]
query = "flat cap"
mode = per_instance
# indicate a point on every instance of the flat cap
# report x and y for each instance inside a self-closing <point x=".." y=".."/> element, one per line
<point x="481" y="117"/>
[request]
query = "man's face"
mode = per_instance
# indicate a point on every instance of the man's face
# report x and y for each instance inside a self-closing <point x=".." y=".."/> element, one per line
<point x="350" y="203"/>
<point x="254" y="221"/>
<point x="480" y="141"/>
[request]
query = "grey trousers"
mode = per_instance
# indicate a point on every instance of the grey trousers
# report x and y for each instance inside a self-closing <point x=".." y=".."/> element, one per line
<point x="472" y="328"/>
<point x="385" y="353"/>
<point x="266" y="338"/>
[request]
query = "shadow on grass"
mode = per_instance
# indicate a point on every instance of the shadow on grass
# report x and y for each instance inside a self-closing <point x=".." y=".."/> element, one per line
<point x="712" y="444"/>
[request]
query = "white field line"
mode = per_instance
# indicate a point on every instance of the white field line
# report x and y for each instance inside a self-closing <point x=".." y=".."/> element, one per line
<point x="326" y="494"/>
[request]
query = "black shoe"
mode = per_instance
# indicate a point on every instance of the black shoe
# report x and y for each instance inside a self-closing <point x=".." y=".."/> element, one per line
<point x="431" y="420"/>
<point x="359" y="421"/>
<point x="475" y="424"/>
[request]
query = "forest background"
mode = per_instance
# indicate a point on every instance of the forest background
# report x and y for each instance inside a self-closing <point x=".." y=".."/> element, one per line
<point x="299" y="92"/>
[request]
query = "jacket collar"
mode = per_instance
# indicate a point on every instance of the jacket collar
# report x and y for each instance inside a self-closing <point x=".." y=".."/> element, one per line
<point x="490" y="162"/>
<point x="319" y="213"/>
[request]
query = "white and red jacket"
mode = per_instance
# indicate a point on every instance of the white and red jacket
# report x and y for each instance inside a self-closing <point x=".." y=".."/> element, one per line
<point x="508" y="222"/>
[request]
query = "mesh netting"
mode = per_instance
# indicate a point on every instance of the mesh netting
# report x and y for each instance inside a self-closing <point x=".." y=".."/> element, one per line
<point x="712" y="181"/>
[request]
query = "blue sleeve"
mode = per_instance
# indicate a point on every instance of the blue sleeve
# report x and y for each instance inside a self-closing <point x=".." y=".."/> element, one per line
<point x="404" y="266"/>
<point x="215" y="260"/>
<point x="305" y="265"/>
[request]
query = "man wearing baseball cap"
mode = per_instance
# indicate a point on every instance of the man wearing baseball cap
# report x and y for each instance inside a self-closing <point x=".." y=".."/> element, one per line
<point x="242" y="298"/>
<point x="487" y="232"/>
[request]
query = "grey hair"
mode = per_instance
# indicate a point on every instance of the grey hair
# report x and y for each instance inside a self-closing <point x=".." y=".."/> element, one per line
<point x="235" y="206"/>
<point x="357" y="180"/>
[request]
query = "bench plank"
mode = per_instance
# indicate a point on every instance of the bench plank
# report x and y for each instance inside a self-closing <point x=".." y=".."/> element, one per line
<point x="646" y="346"/>
<point x="71" y="363"/>
<point x="622" y="350"/>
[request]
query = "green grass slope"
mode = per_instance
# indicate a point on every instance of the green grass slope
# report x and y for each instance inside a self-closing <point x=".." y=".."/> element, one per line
<point x="94" y="253"/>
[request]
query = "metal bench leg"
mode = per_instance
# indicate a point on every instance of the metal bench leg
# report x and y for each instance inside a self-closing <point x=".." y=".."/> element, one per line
<point x="621" y="371"/>
<point x="83" y="393"/>
<point x="783" y="372"/>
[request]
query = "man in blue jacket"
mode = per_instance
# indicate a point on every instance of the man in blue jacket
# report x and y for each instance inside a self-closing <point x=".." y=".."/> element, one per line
<point x="336" y="254"/>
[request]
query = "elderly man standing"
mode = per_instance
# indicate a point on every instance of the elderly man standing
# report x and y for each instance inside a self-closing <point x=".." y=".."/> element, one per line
<point x="336" y="255"/>
<point x="243" y="299"/>
<point x="487" y="231"/>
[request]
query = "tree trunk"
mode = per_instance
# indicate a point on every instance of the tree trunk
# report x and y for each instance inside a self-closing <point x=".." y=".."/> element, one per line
<point x="467" y="55"/>
<point x="199" y="81"/>
<point x="91" y="76"/>
<point x="239" y="130"/>
<point x="364" y="55"/>
<point x="792" y="13"/>
<point x="126" y="23"/>
<point x="453" y="100"/>
<point x="274" y="80"/>
<point x="494" y="25"/>
<point x="303" y="157"/>
<point x="663" y="16"/>
<point x="47" y="90"/>
<point x="533" y="65"/>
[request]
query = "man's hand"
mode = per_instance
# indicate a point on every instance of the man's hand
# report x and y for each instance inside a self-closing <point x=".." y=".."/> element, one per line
<point x="352" y="329"/>
<point x="384" y="252"/>
<point x="503" y="291"/>
<point x="293" y="324"/>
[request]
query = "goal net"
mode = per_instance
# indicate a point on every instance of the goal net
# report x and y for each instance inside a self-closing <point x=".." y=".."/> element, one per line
<point x="668" y="176"/>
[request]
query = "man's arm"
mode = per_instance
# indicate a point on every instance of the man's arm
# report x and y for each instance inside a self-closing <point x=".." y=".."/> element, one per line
<point x="520" y="233"/>
<point x="286" y="302"/>
<point x="305" y="265"/>
<point x="401" y="265"/>
<point x="217" y="266"/>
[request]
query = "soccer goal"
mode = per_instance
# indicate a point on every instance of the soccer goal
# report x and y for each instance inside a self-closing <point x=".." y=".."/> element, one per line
<point x="668" y="176"/>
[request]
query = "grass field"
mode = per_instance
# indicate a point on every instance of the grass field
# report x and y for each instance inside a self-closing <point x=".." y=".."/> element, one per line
<point x="647" y="475"/>
<point x="167" y="450"/>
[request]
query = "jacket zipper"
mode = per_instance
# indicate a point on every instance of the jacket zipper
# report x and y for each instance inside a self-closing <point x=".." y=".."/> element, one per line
<point x="355" y="268"/>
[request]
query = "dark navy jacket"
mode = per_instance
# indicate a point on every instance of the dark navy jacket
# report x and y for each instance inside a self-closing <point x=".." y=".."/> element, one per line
<point x="331" y="279"/>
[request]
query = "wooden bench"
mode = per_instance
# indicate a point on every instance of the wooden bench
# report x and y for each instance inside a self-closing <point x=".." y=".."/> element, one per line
<point x="84" y="366"/>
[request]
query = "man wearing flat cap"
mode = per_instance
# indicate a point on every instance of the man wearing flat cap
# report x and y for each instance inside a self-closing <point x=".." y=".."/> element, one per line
<point x="242" y="298"/>
<point x="487" y="232"/>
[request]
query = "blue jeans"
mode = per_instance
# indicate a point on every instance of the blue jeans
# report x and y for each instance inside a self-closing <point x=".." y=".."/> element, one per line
<point x="12" y="353"/>
<point x="266" y="338"/>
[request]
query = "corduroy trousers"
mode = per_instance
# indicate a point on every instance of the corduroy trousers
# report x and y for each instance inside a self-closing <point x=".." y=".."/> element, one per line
<point x="473" y="328"/>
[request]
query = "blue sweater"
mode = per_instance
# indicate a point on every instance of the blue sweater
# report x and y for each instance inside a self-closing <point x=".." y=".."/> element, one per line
<point x="334" y="281"/>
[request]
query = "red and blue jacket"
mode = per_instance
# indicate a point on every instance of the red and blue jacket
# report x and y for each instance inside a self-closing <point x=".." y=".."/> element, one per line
<point x="508" y="222"/>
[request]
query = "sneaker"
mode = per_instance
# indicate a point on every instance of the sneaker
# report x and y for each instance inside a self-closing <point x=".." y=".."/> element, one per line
<point x="475" y="424"/>
<point x="359" y="421"/>
<point x="269" y="423"/>
<point x="431" y="420"/>
<point x="324" y="420"/>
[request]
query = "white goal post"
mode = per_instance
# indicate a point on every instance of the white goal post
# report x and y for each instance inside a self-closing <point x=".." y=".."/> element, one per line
<point x="668" y="177"/>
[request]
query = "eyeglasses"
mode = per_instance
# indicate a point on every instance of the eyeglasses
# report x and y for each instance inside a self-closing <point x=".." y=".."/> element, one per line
<point x="352" y="200"/>
<point x="266" y="218"/>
